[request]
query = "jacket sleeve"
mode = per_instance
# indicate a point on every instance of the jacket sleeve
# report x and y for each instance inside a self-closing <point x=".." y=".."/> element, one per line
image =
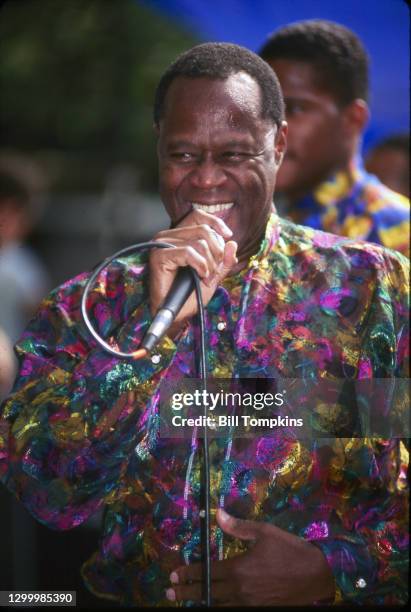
<point x="368" y="545"/>
<point x="76" y="413"/>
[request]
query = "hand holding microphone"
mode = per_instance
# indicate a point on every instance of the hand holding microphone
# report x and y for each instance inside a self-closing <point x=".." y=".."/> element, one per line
<point x="203" y="242"/>
<point x="200" y="242"/>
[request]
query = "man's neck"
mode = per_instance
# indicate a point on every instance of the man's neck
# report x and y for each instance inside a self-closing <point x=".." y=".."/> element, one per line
<point x="296" y="195"/>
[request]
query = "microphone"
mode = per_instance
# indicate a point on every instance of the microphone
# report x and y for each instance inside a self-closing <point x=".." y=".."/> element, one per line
<point x="181" y="289"/>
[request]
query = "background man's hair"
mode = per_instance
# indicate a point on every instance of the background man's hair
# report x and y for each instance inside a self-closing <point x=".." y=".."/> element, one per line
<point x="219" y="61"/>
<point x="337" y="53"/>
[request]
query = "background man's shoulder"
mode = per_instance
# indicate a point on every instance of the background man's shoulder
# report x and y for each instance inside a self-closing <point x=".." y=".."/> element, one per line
<point x="333" y="249"/>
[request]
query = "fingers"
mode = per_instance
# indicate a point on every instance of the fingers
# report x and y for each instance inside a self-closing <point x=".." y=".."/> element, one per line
<point x="220" y="570"/>
<point x="186" y="255"/>
<point x="199" y="225"/>
<point x="185" y="592"/>
<point x="212" y="260"/>
<point x="221" y="592"/>
<point x="199" y="217"/>
<point x="200" y="242"/>
<point x="203" y="234"/>
<point x="211" y="252"/>
<point x="230" y="254"/>
<point x="229" y="261"/>
<point x="239" y="528"/>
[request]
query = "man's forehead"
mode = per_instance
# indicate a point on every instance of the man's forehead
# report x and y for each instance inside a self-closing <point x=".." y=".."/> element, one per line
<point x="300" y="75"/>
<point x="237" y="88"/>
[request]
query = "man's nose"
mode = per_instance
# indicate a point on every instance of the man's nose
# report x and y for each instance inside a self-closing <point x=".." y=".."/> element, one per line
<point x="207" y="174"/>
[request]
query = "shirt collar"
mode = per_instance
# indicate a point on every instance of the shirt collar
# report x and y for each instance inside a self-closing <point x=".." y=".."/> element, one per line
<point x="340" y="185"/>
<point x="272" y="233"/>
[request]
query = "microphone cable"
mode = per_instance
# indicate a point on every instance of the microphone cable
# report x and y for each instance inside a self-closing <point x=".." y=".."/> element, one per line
<point x="141" y="353"/>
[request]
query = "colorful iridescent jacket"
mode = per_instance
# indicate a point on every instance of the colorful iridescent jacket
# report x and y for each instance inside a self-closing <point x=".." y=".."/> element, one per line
<point x="308" y="304"/>
<point x="356" y="204"/>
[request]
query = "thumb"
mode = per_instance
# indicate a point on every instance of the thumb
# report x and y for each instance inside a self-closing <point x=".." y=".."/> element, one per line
<point x="229" y="260"/>
<point x="238" y="528"/>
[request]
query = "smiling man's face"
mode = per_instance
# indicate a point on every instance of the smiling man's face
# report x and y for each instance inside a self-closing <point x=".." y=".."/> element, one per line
<point x="216" y="153"/>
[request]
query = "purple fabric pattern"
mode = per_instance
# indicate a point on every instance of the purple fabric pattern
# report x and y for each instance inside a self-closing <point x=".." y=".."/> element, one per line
<point x="81" y="428"/>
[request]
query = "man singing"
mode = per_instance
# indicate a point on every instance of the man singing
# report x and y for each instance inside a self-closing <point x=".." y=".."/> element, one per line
<point x="292" y="522"/>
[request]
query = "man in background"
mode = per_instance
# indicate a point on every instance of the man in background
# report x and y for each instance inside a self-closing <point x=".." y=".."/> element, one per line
<point x="323" y="71"/>
<point x="390" y="162"/>
<point x="23" y="279"/>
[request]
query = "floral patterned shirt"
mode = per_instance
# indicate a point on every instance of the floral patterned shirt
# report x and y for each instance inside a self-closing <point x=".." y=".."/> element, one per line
<point x="356" y="204"/>
<point x="73" y="439"/>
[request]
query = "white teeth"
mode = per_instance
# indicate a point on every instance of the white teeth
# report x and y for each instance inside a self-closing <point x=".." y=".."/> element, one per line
<point x="212" y="208"/>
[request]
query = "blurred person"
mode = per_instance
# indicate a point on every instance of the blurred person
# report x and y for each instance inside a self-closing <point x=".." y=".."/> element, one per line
<point x="323" y="71"/>
<point x="389" y="160"/>
<point x="23" y="279"/>
<point x="292" y="521"/>
<point x="7" y="364"/>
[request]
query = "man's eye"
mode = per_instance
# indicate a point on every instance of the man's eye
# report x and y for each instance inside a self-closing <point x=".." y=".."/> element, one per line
<point x="182" y="156"/>
<point x="234" y="156"/>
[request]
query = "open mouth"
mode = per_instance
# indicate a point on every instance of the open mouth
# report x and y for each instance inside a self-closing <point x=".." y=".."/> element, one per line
<point x="220" y="210"/>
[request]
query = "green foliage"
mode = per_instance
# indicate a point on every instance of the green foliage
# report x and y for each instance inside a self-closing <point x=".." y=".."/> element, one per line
<point x="78" y="76"/>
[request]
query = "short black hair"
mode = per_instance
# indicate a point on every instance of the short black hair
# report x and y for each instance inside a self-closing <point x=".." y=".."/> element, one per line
<point x="336" y="52"/>
<point x="219" y="61"/>
<point x="399" y="142"/>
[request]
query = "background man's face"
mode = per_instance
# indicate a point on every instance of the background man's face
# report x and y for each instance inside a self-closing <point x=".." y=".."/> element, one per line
<point x="215" y="150"/>
<point x="392" y="167"/>
<point x="316" y="140"/>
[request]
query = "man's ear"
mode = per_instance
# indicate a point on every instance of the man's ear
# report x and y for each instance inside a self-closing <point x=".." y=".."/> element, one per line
<point x="280" y="143"/>
<point x="356" y="116"/>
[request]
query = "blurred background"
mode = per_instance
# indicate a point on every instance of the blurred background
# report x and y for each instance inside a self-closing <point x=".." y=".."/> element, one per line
<point x="77" y="80"/>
